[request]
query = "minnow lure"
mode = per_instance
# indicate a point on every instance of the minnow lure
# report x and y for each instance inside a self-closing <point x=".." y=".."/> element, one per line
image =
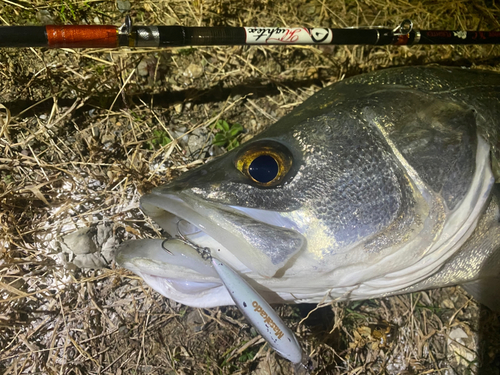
<point x="252" y="305"/>
<point x="260" y="314"/>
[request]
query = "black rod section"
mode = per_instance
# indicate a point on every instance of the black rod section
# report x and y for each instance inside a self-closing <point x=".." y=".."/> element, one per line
<point x="179" y="36"/>
<point x="459" y="37"/>
<point x="23" y="36"/>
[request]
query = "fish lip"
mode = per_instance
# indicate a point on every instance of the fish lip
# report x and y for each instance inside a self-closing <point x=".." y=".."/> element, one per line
<point x="179" y="274"/>
<point x="170" y="260"/>
<point x="248" y="244"/>
<point x="168" y="210"/>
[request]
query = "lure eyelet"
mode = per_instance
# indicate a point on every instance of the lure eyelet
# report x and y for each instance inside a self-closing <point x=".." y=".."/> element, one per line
<point x="265" y="163"/>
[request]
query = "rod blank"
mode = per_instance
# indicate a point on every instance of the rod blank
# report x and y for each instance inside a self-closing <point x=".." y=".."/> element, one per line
<point x="108" y="36"/>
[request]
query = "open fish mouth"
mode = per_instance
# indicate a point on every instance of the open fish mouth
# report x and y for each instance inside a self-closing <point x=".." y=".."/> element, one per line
<point x="256" y="243"/>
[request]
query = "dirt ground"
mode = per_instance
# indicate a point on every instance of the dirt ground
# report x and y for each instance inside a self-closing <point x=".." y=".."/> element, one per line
<point x="83" y="133"/>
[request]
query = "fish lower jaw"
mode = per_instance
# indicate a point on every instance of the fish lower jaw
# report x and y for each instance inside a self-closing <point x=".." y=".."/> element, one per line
<point x="195" y="294"/>
<point x="206" y="294"/>
<point x="175" y="270"/>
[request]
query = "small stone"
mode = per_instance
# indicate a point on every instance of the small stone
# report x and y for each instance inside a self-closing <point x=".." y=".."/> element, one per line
<point x="80" y="242"/>
<point x="178" y="107"/>
<point x="448" y="304"/>
<point x="142" y="68"/>
<point x="310" y="9"/>
<point x="195" y="321"/>
<point x="268" y="365"/>
<point x="193" y="71"/>
<point x="170" y="21"/>
<point x="91" y="261"/>
<point x="107" y="138"/>
<point x="88" y="247"/>
<point x="425" y="299"/>
<point x="462" y="345"/>
<point x="44" y="17"/>
<point x="123" y="6"/>
<point x="312" y="73"/>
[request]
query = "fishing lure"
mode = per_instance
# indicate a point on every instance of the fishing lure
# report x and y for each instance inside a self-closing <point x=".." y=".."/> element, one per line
<point x="260" y="314"/>
<point x="252" y="305"/>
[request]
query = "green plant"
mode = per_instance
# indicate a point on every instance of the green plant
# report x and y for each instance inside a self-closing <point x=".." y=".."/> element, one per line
<point x="159" y="139"/>
<point x="248" y="355"/>
<point x="186" y="51"/>
<point x="8" y="179"/>
<point x="183" y="311"/>
<point x="67" y="9"/>
<point x="227" y="135"/>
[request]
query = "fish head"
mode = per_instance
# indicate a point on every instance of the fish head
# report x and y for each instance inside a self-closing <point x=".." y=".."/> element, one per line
<point x="331" y="200"/>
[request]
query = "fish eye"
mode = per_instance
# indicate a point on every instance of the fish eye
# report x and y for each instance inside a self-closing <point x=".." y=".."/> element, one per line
<point x="263" y="169"/>
<point x="266" y="163"/>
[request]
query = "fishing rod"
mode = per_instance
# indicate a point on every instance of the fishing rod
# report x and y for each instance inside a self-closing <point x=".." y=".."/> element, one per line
<point x="127" y="35"/>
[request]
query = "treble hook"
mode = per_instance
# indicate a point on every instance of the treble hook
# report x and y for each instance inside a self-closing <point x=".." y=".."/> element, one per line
<point x="164" y="248"/>
<point x="179" y="233"/>
<point x="204" y="252"/>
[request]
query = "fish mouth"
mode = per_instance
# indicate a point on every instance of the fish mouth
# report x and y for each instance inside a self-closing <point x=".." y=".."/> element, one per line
<point x="256" y="243"/>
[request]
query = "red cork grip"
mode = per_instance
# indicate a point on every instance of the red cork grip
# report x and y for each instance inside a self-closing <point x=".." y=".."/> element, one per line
<point x="82" y="36"/>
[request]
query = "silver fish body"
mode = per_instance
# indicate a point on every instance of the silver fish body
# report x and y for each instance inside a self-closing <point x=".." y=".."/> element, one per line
<point x="380" y="184"/>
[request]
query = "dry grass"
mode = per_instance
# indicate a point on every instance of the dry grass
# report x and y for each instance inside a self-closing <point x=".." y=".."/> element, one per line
<point x="81" y="138"/>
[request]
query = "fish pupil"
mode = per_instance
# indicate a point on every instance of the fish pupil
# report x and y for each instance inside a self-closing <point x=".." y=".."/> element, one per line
<point x="263" y="169"/>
